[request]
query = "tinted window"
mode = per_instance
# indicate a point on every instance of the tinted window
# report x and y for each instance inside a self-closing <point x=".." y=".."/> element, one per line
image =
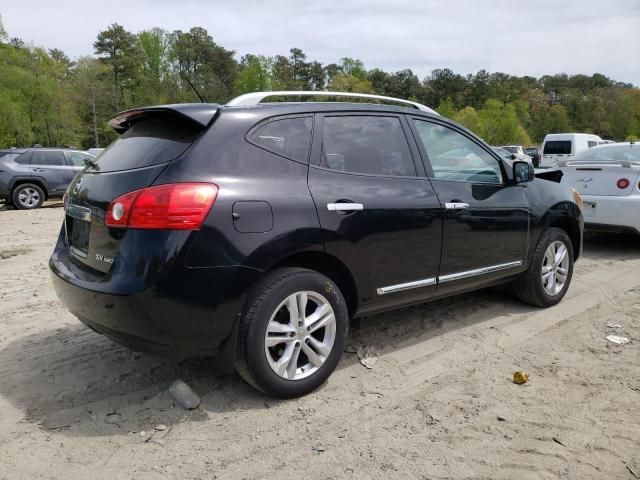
<point x="367" y="144"/>
<point x="511" y="149"/>
<point x="455" y="157"/>
<point x="557" y="147"/>
<point x="39" y="157"/>
<point x="24" y="159"/>
<point x="591" y="143"/>
<point x="289" y="137"/>
<point x="150" y="141"/>
<point x="78" y="158"/>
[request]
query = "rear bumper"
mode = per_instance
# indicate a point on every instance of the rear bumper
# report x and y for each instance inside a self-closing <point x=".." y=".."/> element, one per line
<point x="612" y="213"/>
<point x="186" y="312"/>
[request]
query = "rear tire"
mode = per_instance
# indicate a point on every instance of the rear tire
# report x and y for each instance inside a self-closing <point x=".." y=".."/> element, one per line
<point x="285" y="354"/>
<point x="547" y="280"/>
<point x="27" y="196"/>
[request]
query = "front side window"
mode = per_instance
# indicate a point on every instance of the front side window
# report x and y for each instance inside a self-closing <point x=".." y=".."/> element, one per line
<point x="55" y="159"/>
<point x="24" y="158"/>
<point x="373" y="145"/>
<point x="78" y="158"/>
<point x="455" y="157"/>
<point x="289" y="137"/>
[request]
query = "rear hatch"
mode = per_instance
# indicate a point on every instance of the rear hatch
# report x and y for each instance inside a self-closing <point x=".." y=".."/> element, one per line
<point x="150" y="140"/>
<point x="601" y="178"/>
<point x="555" y="150"/>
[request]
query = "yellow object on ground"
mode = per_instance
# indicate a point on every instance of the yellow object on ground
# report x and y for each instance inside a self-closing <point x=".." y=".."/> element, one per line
<point x="520" y="377"/>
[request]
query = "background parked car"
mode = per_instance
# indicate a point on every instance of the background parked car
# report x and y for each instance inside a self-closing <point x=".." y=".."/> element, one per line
<point x="508" y="155"/>
<point x="535" y="153"/>
<point x="29" y="176"/>
<point x="607" y="177"/>
<point x="563" y="146"/>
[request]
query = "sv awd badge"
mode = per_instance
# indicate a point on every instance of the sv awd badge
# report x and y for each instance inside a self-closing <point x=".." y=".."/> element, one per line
<point x="102" y="258"/>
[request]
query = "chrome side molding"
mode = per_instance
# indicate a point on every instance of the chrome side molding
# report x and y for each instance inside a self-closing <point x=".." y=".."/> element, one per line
<point x="406" y="286"/>
<point x="447" y="278"/>
<point x="478" y="271"/>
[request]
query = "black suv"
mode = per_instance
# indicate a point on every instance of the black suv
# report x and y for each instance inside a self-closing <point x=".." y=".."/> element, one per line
<point x="28" y="176"/>
<point x="255" y="231"/>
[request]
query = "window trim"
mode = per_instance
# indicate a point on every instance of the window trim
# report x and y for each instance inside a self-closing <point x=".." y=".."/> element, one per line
<point x="318" y="157"/>
<point x="276" y="118"/>
<point x="425" y="157"/>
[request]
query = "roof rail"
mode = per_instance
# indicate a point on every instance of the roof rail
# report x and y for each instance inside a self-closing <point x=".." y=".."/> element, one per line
<point x="256" y="97"/>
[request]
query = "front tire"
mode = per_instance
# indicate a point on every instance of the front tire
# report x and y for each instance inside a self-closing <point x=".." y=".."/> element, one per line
<point x="292" y="332"/>
<point x="547" y="280"/>
<point x="27" y="196"/>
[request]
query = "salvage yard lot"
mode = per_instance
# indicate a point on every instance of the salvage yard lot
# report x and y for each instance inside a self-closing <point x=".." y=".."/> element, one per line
<point x="438" y="403"/>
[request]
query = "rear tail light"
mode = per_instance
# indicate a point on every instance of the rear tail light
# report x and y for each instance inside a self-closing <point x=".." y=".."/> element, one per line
<point x="623" y="183"/>
<point x="175" y="206"/>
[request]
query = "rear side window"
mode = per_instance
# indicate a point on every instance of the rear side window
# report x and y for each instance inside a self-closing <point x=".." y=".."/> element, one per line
<point x="289" y="137"/>
<point x="366" y="144"/>
<point x="591" y="143"/>
<point x="24" y="159"/>
<point x="557" y="147"/>
<point x="150" y="141"/>
<point x="50" y="159"/>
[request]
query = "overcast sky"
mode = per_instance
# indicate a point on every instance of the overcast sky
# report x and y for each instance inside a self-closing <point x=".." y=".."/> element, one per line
<point x="520" y="37"/>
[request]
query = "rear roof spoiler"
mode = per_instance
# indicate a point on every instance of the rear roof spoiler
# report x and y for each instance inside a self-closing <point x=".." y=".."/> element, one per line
<point x="201" y="113"/>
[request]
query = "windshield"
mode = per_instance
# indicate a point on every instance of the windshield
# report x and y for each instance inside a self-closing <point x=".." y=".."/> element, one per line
<point x="150" y="141"/>
<point x="512" y="149"/>
<point x="623" y="152"/>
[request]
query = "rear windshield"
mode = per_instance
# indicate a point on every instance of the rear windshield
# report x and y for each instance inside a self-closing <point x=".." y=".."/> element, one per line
<point x="557" y="147"/>
<point x="150" y="141"/>
<point x="623" y="152"/>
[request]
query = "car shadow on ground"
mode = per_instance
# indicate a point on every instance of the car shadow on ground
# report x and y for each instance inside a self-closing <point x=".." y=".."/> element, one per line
<point x="77" y="382"/>
<point x="48" y="204"/>
<point x="74" y="381"/>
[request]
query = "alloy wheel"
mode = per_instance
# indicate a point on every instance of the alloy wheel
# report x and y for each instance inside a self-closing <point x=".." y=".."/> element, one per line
<point x="28" y="197"/>
<point x="300" y="335"/>
<point x="555" y="268"/>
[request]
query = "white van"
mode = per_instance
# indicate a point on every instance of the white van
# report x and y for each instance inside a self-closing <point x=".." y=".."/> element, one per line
<point x="563" y="146"/>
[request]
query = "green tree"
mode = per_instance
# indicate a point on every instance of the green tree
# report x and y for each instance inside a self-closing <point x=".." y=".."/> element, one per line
<point x="118" y="49"/>
<point x="256" y="75"/>
<point x="349" y="83"/>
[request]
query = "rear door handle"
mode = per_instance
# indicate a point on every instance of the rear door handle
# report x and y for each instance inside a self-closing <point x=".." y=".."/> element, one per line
<point x="456" y="206"/>
<point x="344" y="207"/>
<point x="37" y="169"/>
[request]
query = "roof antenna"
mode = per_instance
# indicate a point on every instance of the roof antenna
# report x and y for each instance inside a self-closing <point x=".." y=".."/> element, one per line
<point x="192" y="87"/>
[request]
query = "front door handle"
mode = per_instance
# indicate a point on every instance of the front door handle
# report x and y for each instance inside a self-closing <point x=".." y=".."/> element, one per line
<point x="456" y="206"/>
<point x="37" y="169"/>
<point x="344" y="207"/>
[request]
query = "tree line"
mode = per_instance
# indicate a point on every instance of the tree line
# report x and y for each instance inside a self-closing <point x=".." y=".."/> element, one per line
<point x="50" y="99"/>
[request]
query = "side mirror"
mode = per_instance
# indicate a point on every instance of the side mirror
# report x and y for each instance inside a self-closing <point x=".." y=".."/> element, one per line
<point x="523" y="172"/>
<point x="513" y="156"/>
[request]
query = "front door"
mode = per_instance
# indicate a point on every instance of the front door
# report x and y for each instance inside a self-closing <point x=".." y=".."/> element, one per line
<point x="486" y="218"/>
<point x="378" y="211"/>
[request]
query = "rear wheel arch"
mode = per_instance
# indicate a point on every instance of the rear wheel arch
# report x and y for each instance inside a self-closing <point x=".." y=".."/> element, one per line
<point x="330" y="267"/>
<point x="37" y="182"/>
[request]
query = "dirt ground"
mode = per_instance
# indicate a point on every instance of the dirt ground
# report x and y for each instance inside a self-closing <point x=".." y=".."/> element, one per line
<point x="438" y="403"/>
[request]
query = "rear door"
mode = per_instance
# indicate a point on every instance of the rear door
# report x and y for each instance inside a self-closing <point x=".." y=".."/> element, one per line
<point x="379" y="214"/>
<point x="486" y="219"/>
<point x="52" y="166"/>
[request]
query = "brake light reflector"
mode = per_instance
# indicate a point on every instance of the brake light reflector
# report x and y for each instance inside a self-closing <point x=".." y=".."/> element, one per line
<point x="175" y="206"/>
<point x="623" y="183"/>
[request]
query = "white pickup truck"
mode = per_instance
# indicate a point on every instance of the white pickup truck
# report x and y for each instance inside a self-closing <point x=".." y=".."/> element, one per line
<point x="608" y="179"/>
